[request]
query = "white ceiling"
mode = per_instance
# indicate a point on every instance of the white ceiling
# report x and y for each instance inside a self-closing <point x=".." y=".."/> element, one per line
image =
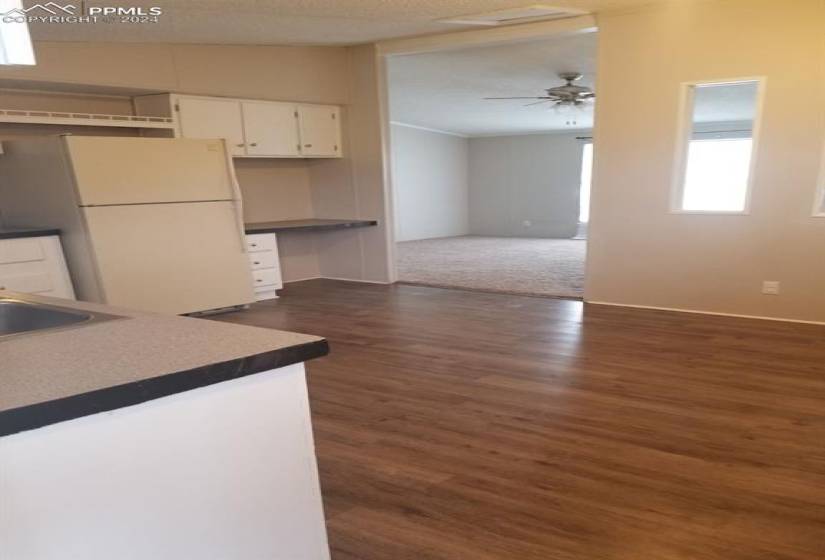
<point x="445" y="90"/>
<point x="278" y="22"/>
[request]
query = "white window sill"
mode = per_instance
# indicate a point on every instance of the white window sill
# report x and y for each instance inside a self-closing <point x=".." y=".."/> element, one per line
<point x="714" y="212"/>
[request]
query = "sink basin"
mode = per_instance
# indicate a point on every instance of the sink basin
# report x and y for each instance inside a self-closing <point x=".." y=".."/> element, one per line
<point x="19" y="317"/>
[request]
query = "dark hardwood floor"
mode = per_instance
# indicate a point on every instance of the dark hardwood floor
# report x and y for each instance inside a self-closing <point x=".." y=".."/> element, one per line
<point x="463" y="425"/>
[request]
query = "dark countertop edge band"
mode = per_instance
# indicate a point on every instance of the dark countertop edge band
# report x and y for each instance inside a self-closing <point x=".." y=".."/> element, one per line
<point x="104" y="400"/>
<point x="28" y="233"/>
<point x="313" y="227"/>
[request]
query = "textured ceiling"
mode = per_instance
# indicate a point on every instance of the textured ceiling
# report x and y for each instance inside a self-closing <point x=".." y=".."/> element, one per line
<point x="445" y="90"/>
<point x="278" y="22"/>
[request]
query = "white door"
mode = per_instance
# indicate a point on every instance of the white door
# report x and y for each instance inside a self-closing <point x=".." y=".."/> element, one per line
<point x="271" y="129"/>
<point x="320" y="127"/>
<point x="170" y="258"/>
<point x="149" y="170"/>
<point x="213" y="118"/>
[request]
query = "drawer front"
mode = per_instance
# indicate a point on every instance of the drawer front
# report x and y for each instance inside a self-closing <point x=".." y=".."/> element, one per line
<point x="21" y="250"/>
<point x="263" y="259"/>
<point x="266" y="277"/>
<point x="33" y="283"/>
<point x="261" y="242"/>
<point x="266" y="292"/>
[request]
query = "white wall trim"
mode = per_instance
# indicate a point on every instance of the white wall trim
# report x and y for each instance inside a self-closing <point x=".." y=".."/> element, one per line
<point x="427" y="129"/>
<point x="488" y="36"/>
<point x="340" y="279"/>
<point x="701" y="312"/>
<point x="303" y="279"/>
<point x="556" y="131"/>
<point x="684" y="128"/>
<point x="360" y="281"/>
<point x="819" y="201"/>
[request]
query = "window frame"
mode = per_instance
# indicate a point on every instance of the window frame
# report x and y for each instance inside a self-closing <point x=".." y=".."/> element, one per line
<point x="16" y="47"/>
<point x="684" y="132"/>
<point x="819" y="199"/>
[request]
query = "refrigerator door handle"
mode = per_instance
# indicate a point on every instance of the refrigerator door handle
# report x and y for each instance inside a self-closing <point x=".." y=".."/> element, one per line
<point x="237" y="198"/>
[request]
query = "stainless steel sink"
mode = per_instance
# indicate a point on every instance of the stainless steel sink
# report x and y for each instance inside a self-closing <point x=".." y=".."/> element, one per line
<point x="21" y="317"/>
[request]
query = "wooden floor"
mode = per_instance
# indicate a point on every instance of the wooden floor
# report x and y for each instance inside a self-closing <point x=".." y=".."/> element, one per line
<point x="463" y="425"/>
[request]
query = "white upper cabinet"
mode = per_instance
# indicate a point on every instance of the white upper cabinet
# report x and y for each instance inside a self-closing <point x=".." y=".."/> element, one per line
<point x="252" y="128"/>
<point x="202" y="117"/>
<point x="320" y="129"/>
<point x="271" y="129"/>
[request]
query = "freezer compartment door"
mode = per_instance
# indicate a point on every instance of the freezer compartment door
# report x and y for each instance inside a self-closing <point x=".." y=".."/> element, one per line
<point x="170" y="258"/>
<point x="110" y="171"/>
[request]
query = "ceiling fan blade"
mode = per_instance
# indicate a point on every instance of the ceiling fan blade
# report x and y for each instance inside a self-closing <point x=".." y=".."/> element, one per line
<point x="531" y="97"/>
<point x="539" y="102"/>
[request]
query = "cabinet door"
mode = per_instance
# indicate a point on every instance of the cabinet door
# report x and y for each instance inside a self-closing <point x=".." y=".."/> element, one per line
<point x="213" y="118"/>
<point x="320" y="127"/>
<point x="271" y="129"/>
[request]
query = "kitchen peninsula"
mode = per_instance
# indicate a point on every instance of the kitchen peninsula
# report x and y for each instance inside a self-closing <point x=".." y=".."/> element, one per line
<point x="136" y="435"/>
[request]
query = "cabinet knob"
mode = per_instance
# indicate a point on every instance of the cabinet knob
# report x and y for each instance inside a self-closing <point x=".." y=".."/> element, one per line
<point x="307" y="145"/>
<point x="256" y="262"/>
<point x="254" y="144"/>
<point x="240" y="145"/>
<point x="254" y="244"/>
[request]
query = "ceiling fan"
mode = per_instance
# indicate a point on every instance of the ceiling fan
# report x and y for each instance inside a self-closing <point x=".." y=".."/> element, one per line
<point x="561" y="96"/>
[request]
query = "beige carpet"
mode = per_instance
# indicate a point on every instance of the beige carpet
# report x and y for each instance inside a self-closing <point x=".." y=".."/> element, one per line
<point x="516" y="265"/>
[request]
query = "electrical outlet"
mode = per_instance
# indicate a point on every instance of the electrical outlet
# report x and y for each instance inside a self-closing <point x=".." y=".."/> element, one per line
<point x="770" y="287"/>
<point x="527" y="223"/>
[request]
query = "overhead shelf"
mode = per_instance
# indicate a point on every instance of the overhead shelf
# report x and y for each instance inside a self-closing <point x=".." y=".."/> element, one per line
<point x="84" y="119"/>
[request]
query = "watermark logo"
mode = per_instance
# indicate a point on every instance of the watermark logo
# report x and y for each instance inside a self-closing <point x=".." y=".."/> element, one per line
<point x="53" y="12"/>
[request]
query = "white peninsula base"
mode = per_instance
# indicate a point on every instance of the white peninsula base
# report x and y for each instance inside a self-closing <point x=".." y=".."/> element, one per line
<point x="223" y="472"/>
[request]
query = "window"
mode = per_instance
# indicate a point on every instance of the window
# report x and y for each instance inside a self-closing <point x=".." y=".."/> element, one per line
<point x="819" y="203"/>
<point x="15" y="42"/>
<point x="584" y="189"/>
<point x="715" y="157"/>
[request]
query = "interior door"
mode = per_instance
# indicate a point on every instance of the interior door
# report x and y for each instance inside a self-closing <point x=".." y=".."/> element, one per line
<point x="149" y="170"/>
<point x="271" y="129"/>
<point x="170" y="258"/>
<point x="320" y="128"/>
<point x="213" y="118"/>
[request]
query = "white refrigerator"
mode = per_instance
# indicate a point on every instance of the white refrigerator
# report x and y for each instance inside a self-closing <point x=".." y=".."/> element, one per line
<point x="147" y="223"/>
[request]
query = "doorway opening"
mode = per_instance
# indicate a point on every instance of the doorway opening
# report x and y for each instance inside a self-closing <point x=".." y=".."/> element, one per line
<point x="490" y="176"/>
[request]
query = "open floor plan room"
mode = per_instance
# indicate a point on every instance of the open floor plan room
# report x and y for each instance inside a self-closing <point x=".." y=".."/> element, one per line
<point x="412" y="280"/>
<point x="453" y="424"/>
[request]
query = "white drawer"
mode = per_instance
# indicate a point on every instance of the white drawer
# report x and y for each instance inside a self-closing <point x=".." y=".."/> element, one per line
<point x="263" y="259"/>
<point x="34" y="283"/>
<point x="266" y="277"/>
<point x="262" y="242"/>
<point x="266" y="292"/>
<point x="21" y="250"/>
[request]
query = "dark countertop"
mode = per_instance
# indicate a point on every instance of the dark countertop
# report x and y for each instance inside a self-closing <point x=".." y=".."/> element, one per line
<point x="63" y="374"/>
<point x="17" y="233"/>
<point x="311" y="224"/>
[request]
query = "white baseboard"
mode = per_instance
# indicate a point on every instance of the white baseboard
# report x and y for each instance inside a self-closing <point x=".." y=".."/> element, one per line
<point x="700" y="312"/>
<point x="354" y="280"/>
<point x="302" y="279"/>
<point x="335" y="278"/>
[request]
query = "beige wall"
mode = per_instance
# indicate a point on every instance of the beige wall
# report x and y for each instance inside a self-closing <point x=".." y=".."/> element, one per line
<point x="273" y="189"/>
<point x="354" y="186"/>
<point x="311" y="74"/>
<point x="641" y="254"/>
